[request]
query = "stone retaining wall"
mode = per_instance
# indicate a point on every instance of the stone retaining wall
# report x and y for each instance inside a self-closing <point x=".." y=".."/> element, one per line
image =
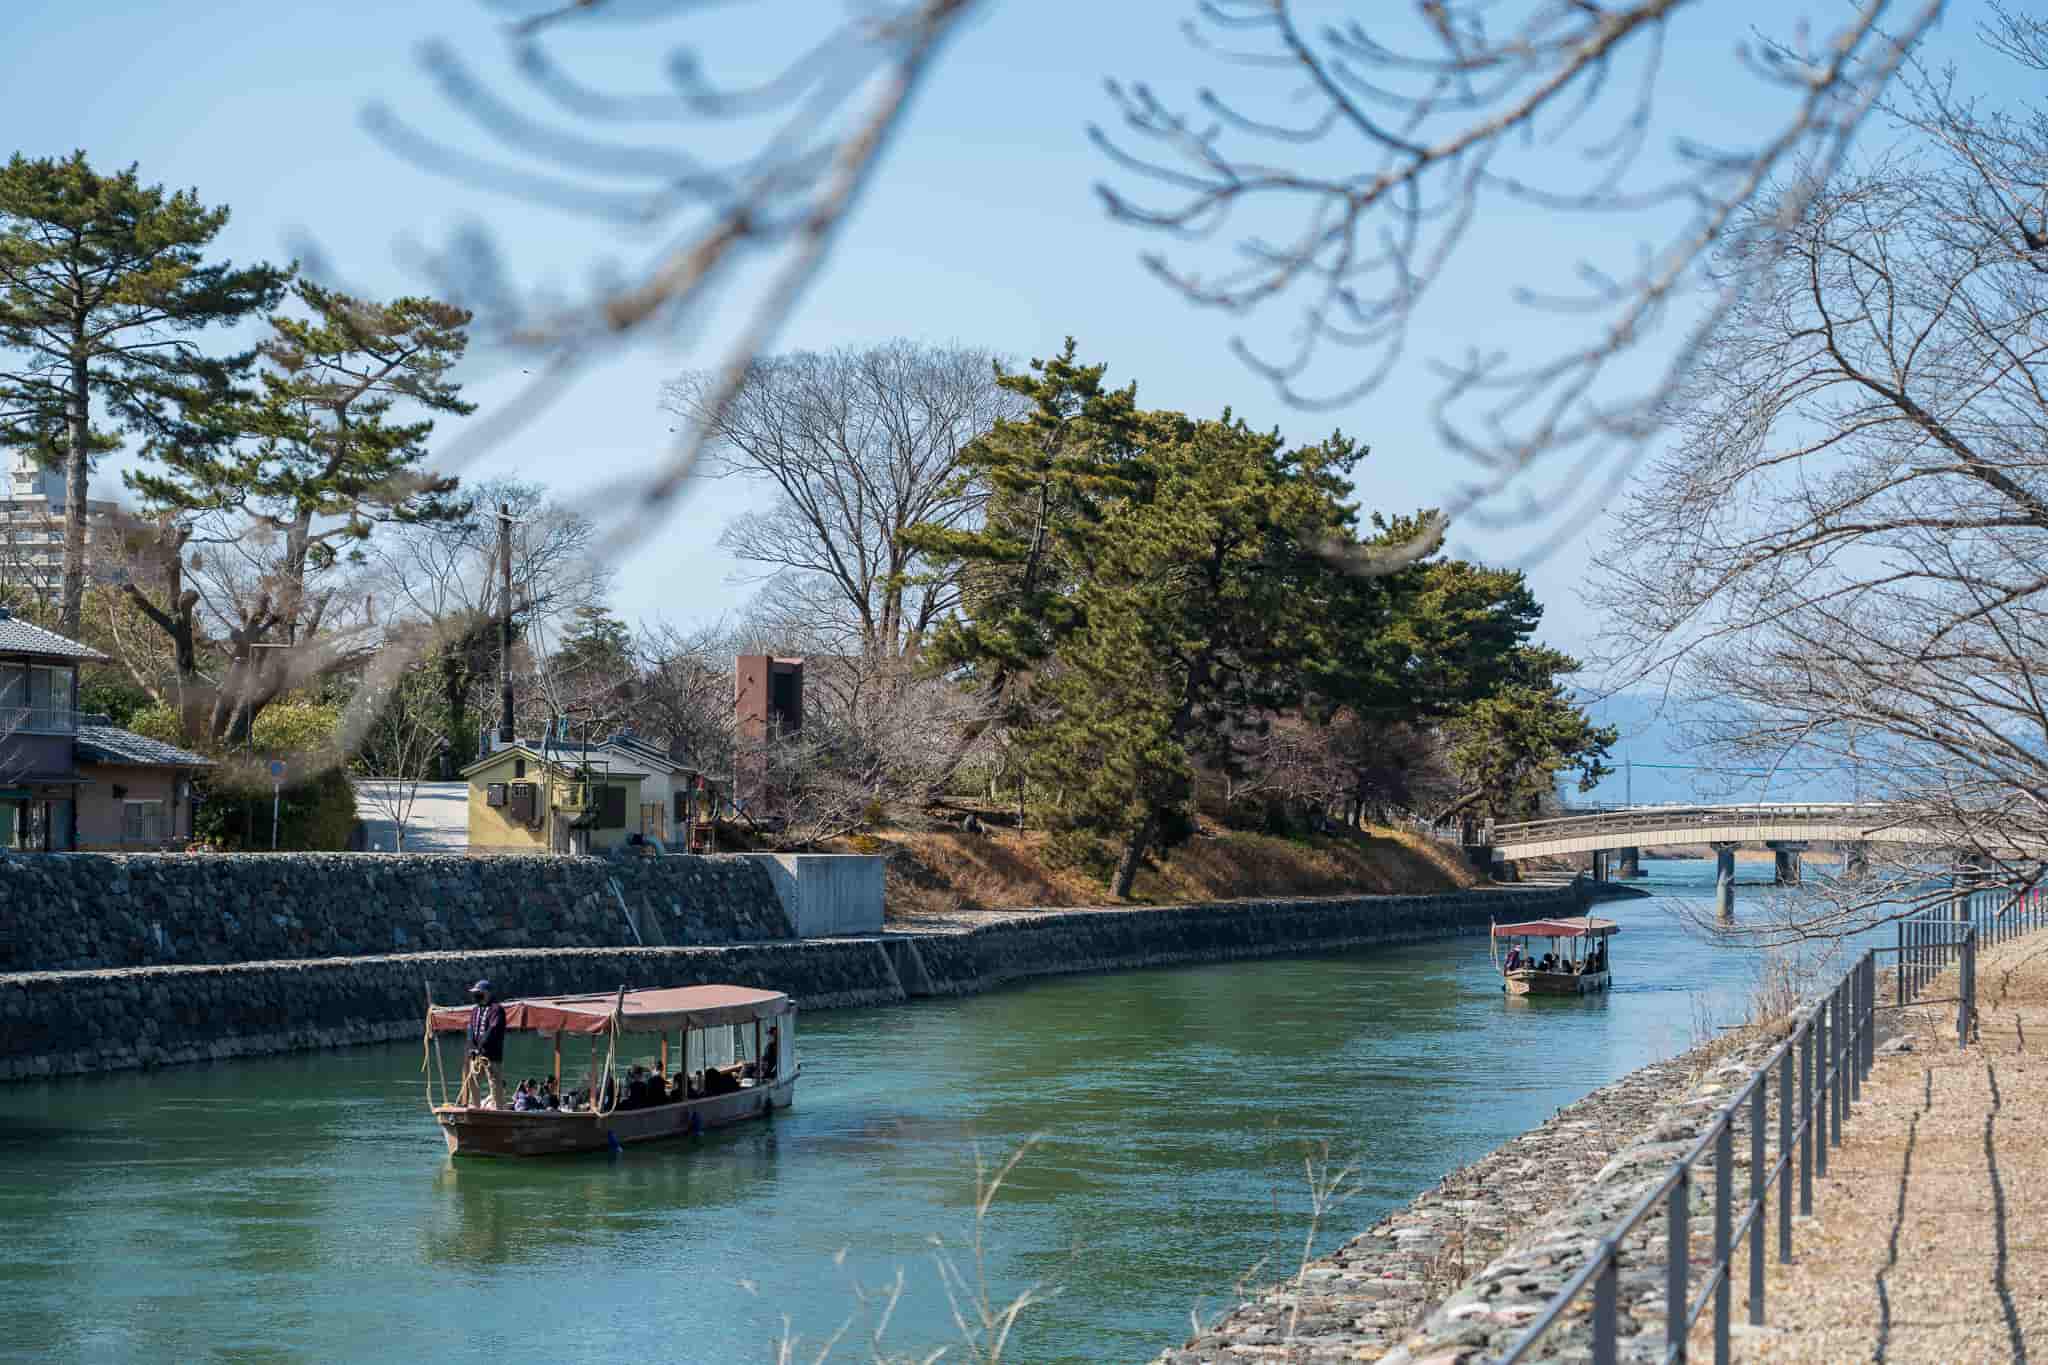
<point x="58" y="1023"/>
<point x="93" y="910"/>
<point x="1528" y="1215"/>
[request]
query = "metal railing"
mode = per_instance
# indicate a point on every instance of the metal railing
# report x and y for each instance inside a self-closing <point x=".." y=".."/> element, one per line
<point x="38" y="720"/>
<point x="1661" y="817"/>
<point x="1811" y="1079"/>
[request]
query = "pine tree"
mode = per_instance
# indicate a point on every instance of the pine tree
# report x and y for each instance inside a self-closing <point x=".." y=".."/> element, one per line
<point x="1050" y="475"/>
<point x="1206" y="598"/>
<point x="331" y="445"/>
<point x="103" y="290"/>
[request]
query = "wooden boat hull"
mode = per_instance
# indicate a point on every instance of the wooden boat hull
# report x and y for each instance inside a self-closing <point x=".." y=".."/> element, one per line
<point x="1528" y="981"/>
<point x="505" y="1132"/>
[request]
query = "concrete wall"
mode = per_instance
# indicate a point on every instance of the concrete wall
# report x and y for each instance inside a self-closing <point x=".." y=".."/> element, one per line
<point x="827" y="893"/>
<point x="58" y="1023"/>
<point x="91" y="910"/>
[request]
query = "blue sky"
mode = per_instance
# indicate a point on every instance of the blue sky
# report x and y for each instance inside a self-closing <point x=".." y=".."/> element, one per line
<point x="982" y="230"/>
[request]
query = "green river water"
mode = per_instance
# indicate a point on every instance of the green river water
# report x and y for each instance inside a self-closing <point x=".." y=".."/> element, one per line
<point x="303" y="1208"/>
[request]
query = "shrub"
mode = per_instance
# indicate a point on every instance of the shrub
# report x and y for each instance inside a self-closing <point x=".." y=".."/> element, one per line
<point x="1081" y="851"/>
<point x="316" y="813"/>
<point x="159" y="722"/>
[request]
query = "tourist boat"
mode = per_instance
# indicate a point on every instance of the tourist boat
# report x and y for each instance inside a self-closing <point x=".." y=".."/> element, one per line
<point x="737" y="1051"/>
<point x="1579" y="942"/>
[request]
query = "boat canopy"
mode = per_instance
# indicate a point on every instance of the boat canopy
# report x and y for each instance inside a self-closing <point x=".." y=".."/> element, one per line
<point x="1571" y="926"/>
<point x="650" y="1011"/>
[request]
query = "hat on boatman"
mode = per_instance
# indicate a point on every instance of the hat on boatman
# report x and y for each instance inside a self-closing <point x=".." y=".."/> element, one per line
<point x="482" y="987"/>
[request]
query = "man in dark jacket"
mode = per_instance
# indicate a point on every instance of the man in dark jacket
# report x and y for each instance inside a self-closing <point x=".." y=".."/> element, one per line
<point x="486" y="1049"/>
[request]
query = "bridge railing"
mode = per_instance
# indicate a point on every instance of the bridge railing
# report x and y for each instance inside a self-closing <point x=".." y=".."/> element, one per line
<point x="1810" y="1080"/>
<point x="1663" y="817"/>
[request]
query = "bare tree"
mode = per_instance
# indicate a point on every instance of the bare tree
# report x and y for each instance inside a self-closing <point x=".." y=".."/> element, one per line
<point x="686" y="693"/>
<point x="1388" y="139"/>
<point x="1844" y="558"/>
<point x="853" y="446"/>
<point x="446" y="575"/>
<point x="394" y="732"/>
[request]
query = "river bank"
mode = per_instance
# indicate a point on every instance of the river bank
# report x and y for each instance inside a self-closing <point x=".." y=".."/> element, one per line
<point x="1163" y="1115"/>
<point x="1364" y="1301"/>
<point x="110" y="1019"/>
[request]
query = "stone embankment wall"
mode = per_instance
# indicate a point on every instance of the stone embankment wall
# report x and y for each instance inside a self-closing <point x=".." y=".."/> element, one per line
<point x="1460" y="1271"/>
<point x="58" y="1023"/>
<point x="121" y="910"/>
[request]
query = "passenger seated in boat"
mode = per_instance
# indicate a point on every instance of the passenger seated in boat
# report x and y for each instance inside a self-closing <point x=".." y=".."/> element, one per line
<point x="1548" y="964"/>
<point x="636" y="1089"/>
<point x="771" y="1054"/>
<point x="526" y="1099"/>
<point x="548" y="1098"/>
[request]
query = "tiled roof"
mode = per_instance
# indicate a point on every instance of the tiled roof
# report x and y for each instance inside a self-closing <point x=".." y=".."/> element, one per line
<point x="101" y="741"/>
<point x="19" y="637"/>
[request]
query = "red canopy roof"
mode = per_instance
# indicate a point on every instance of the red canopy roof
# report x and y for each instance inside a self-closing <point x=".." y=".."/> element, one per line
<point x="650" y="1011"/>
<point x="1571" y="926"/>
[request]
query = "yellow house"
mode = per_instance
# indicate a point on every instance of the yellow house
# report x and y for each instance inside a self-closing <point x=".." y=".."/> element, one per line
<point x="568" y="801"/>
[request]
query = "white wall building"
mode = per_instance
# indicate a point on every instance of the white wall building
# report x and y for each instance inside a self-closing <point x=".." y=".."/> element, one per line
<point x="32" y="526"/>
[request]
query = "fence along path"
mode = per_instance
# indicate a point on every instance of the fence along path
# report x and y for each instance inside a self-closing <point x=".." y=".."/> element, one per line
<point x="1929" y="1244"/>
<point x="1710" y="1226"/>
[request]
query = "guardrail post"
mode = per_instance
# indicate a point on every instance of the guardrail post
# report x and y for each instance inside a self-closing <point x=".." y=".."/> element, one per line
<point x="1724" y="1234"/>
<point x="1869" y="1011"/>
<point x="1677" y="1260"/>
<point x="1838" y="1089"/>
<point x="1966" y="993"/>
<point x="1759" y="1204"/>
<point x="1899" y="972"/>
<point x="1823" y="1103"/>
<point x="1787" y="1107"/>
<point x="1806" y="1120"/>
<point x="1606" y="1348"/>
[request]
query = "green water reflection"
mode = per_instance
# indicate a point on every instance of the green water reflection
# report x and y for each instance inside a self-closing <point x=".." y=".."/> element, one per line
<point x="302" y="1208"/>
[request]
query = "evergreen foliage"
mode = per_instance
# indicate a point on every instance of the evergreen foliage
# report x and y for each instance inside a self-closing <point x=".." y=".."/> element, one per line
<point x="1151" y="595"/>
<point x="103" y="289"/>
<point x="330" y="445"/>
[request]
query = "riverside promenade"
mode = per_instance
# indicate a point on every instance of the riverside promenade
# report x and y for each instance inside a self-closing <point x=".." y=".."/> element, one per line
<point x="1929" y="1240"/>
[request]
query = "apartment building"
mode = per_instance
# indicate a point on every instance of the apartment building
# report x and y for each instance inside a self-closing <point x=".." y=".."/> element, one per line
<point x="32" y="526"/>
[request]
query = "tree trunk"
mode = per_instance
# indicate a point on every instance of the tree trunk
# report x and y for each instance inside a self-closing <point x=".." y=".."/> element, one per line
<point x="1134" y="854"/>
<point x="76" y="462"/>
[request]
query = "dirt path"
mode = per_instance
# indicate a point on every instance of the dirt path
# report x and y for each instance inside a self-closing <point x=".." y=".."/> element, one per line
<point x="1930" y="1240"/>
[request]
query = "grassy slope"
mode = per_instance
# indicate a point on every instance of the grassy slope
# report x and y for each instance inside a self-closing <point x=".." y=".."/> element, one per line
<point x="934" y="873"/>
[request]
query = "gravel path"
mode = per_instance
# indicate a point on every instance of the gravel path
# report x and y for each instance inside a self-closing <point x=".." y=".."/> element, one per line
<point x="1930" y="1240"/>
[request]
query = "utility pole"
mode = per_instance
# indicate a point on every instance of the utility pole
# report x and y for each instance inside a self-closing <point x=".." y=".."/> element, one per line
<point x="506" y="733"/>
<point x="1628" y="781"/>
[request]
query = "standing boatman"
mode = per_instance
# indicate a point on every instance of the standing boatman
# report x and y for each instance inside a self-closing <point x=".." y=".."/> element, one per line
<point x="486" y="1049"/>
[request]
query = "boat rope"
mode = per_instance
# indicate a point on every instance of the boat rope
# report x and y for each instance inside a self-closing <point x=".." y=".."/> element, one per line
<point x="430" y="1059"/>
<point x="607" y="1080"/>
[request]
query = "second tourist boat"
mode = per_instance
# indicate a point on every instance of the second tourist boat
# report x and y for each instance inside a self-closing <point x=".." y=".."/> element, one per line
<point x="735" y="1056"/>
<point x="1575" y="963"/>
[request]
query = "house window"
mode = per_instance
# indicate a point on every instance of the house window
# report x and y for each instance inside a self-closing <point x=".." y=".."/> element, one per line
<point x="518" y="767"/>
<point x="37" y="699"/>
<point x="142" y="822"/>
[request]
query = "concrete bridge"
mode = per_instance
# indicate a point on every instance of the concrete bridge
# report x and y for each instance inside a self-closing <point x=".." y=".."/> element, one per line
<point x="1616" y="835"/>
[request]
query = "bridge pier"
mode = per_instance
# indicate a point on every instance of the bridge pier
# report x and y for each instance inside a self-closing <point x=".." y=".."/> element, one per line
<point x="1787" y="852"/>
<point x="1855" y="861"/>
<point x="1600" y="868"/>
<point x="1630" y="862"/>
<point x="1724" y="880"/>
